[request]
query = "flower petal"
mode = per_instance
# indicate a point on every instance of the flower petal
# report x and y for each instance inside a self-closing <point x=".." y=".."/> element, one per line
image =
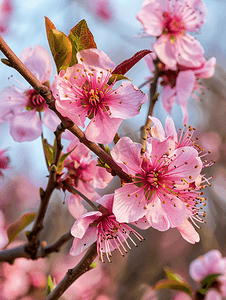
<point x="188" y="232"/>
<point x="168" y="98"/>
<point x="38" y="61"/>
<point x="75" y="206"/>
<point x="184" y="86"/>
<point x="25" y="126"/>
<point x="79" y="245"/>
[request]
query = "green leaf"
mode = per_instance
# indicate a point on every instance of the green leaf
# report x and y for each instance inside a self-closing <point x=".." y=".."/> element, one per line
<point x="81" y="38"/>
<point x="173" y="285"/>
<point x="19" y="225"/>
<point x="93" y="265"/>
<point x="6" y="62"/>
<point x="118" y="77"/>
<point x="49" y="25"/>
<point x="48" y="151"/>
<point x="50" y="285"/>
<point x="207" y="281"/>
<point x="173" y="276"/>
<point x="62" y="159"/>
<point x="41" y="192"/>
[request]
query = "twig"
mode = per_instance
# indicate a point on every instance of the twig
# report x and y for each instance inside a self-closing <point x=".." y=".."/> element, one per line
<point x="146" y="82"/>
<point x="9" y="255"/>
<point x="153" y="99"/>
<point x="75" y="191"/>
<point x="72" y="274"/>
<point x="45" y="92"/>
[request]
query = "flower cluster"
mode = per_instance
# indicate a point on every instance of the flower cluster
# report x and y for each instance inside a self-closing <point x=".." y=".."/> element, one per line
<point x="178" y="55"/>
<point x="211" y="263"/>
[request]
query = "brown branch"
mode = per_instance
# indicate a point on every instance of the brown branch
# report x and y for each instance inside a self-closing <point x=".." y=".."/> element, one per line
<point x="45" y="92"/>
<point x="153" y="99"/>
<point x="72" y="274"/>
<point x="9" y="255"/>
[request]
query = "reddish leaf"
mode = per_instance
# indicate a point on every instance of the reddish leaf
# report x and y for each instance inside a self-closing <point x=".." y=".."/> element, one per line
<point x="19" y="225"/>
<point x="127" y="64"/>
<point x="49" y="26"/>
<point x="81" y="38"/>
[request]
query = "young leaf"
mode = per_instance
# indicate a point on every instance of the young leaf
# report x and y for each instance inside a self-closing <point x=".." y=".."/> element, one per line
<point x="93" y="265"/>
<point x="118" y="77"/>
<point x="50" y="285"/>
<point x="127" y="64"/>
<point x="61" y="49"/>
<point x="173" y="285"/>
<point x="62" y="159"/>
<point x="209" y="280"/>
<point x="49" y="26"/>
<point x="19" y="225"/>
<point x="173" y="276"/>
<point x="81" y="38"/>
<point x="48" y="151"/>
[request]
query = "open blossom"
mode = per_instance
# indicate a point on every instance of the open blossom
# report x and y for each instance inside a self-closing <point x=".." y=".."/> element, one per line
<point x="84" y="174"/>
<point x="163" y="182"/>
<point x="84" y="92"/>
<point x="101" y="226"/>
<point x="23" y="109"/>
<point x="4" y="161"/>
<point x="180" y="84"/>
<point x="169" y="21"/>
<point x="3" y="233"/>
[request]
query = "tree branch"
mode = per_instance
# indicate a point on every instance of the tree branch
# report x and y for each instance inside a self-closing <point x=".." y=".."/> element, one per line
<point x="153" y="98"/>
<point x="72" y="274"/>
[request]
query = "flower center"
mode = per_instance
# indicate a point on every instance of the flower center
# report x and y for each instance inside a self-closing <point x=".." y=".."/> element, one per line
<point x="152" y="178"/>
<point x="172" y="24"/>
<point x="35" y="101"/>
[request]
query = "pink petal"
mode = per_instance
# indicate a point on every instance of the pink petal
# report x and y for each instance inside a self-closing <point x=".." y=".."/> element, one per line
<point x="186" y="164"/>
<point x="148" y="59"/>
<point x="189" y="52"/>
<point x="156" y="149"/>
<point x="51" y="120"/>
<point x="25" y="126"/>
<point x="79" y="245"/>
<point x="142" y="223"/>
<point x="182" y="296"/>
<point x="156" y="216"/>
<point x="80" y="226"/>
<point x="170" y="129"/>
<point x="75" y="206"/>
<point x="107" y="202"/>
<point x="127" y="208"/>
<point x="151" y="18"/>
<point x="166" y="51"/>
<point x="128" y="155"/>
<point x="95" y="59"/>
<point x="157" y="130"/>
<point x="184" y="113"/>
<point x="102" y="178"/>
<point x="102" y="128"/>
<point x="168" y="98"/>
<point x="188" y="232"/>
<point x="12" y="101"/>
<point x="80" y="150"/>
<point x="38" y="61"/>
<point x="126" y="103"/>
<point x="184" y="86"/>
<point x="213" y="294"/>
<point x="196" y="20"/>
<point x="207" y="70"/>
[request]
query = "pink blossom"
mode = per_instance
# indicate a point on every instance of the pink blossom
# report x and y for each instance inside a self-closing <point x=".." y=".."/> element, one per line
<point x="3" y="233"/>
<point x="101" y="226"/>
<point x="181" y="83"/>
<point x="4" y="161"/>
<point x="85" y="175"/>
<point x="84" y="92"/>
<point x="5" y="15"/>
<point x="210" y="263"/>
<point x="168" y="21"/>
<point x="161" y="177"/>
<point x="182" y="296"/>
<point x="103" y="9"/>
<point x="24" y="109"/>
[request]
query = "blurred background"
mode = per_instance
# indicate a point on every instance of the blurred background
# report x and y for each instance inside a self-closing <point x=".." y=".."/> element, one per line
<point x="117" y="32"/>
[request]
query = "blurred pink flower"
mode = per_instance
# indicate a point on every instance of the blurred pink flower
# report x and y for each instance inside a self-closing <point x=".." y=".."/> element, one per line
<point x="84" y="92"/>
<point x="103" y="9"/>
<point x="213" y="142"/>
<point x="169" y="21"/>
<point x="161" y="182"/>
<point x="3" y="232"/>
<point x="181" y="83"/>
<point x="4" y="161"/>
<point x="6" y="9"/>
<point x="17" y="279"/>
<point x="84" y="174"/>
<point x="101" y="226"/>
<point x="23" y="109"/>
